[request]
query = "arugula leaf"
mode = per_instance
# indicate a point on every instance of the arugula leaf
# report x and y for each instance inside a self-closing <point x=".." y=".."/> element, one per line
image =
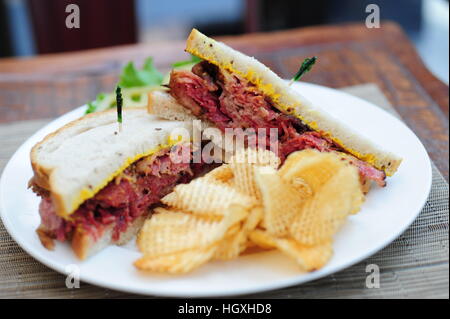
<point x="92" y="106"/>
<point x="194" y="60"/>
<point x="101" y="96"/>
<point x="132" y="77"/>
<point x="130" y="80"/>
<point x="136" y="97"/>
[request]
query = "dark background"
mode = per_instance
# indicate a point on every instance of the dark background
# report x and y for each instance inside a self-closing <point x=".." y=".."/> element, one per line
<point x="30" y="27"/>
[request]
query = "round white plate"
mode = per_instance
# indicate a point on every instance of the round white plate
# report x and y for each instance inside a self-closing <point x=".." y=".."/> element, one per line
<point x="386" y="213"/>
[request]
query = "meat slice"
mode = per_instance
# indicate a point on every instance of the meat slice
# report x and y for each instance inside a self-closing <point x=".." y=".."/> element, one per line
<point x="114" y="195"/>
<point x="208" y="73"/>
<point x="243" y="104"/>
<point x="197" y="95"/>
<point x="51" y="224"/>
<point x="306" y="140"/>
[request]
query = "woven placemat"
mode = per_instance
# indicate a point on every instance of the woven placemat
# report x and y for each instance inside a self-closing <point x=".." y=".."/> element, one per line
<point x="415" y="265"/>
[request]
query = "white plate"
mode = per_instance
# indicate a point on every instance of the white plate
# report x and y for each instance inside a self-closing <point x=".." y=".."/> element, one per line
<point x="386" y="213"/>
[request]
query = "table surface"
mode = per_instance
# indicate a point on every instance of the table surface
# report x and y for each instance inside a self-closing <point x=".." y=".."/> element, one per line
<point x="349" y="54"/>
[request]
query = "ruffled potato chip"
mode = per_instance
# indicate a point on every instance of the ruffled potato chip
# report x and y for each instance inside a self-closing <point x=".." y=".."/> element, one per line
<point x="201" y="197"/>
<point x="281" y="201"/>
<point x="222" y="174"/>
<point x="309" y="258"/>
<point x="177" y="262"/>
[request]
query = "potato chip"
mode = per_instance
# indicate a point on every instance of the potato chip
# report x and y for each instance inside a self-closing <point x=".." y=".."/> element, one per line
<point x="262" y="224"/>
<point x="236" y="242"/>
<point x="230" y="247"/>
<point x="254" y="218"/>
<point x="170" y="231"/>
<point x="336" y="194"/>
<point x="203" y="197"/>
<point x="234" y="214"/>
<point x="312" y="167"/>
<point x="295" y="159"/>
<point x="242" y="166"/>
<point x="244" y="180"/>
<point x="301" y="186"/>
<point x="170" y="198"/>
<point x="307" y="257"/>
<point x="177" y="263"/>
<point x="281" y="202"/>
<point x="262" y="239"/>
<point x="233" y="230"/>
<point x="252" y="248"/>
<point x="223" y="174"/>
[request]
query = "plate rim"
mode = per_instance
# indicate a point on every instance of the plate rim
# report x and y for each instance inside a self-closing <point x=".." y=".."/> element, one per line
<point x="256" y="288"/>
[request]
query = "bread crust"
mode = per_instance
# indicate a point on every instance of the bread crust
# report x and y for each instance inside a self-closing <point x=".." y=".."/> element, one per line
<point x="46" y="240"/>
<point x="81" y="242"/>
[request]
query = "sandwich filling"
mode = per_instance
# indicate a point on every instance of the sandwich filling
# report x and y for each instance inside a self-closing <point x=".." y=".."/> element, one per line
<point x="122" y="200"/>
<point x="229" y="101"/>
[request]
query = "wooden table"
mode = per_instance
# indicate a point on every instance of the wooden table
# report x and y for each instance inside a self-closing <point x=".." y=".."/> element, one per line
<point x="350" y="54"/>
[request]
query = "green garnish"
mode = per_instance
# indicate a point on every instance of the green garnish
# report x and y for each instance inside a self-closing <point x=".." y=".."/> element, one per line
<point x="119" y="101"/>
<point x="92" y="106"/>
<point x="136" y="97"/>
<point x="135" y="83"/>
<point x="132" y="77"/>
<point x="304" y="68"/>
<point x="194" y="60"/>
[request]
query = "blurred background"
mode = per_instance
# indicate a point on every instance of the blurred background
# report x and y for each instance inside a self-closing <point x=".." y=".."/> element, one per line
<point x="32" y="27"/>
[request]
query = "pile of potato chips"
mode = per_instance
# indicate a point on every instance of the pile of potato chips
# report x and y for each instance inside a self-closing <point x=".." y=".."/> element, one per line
<point x="250" y="202"/>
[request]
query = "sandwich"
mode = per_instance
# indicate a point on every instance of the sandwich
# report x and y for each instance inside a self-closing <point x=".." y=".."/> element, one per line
<point x="97" y="182"/>
<point x="228" y="89"/>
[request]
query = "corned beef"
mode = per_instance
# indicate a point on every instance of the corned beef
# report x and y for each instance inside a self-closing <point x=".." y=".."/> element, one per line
<point x="230" y="101"/>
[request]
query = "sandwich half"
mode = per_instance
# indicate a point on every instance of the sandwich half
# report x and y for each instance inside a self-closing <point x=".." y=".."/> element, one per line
<point x="97" y="183"/>
<point x="232" y="90"/>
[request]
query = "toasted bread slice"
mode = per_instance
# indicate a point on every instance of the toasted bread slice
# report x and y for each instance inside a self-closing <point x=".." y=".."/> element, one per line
<point x="289" y="101"/>
<point x="71" y="179"/>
